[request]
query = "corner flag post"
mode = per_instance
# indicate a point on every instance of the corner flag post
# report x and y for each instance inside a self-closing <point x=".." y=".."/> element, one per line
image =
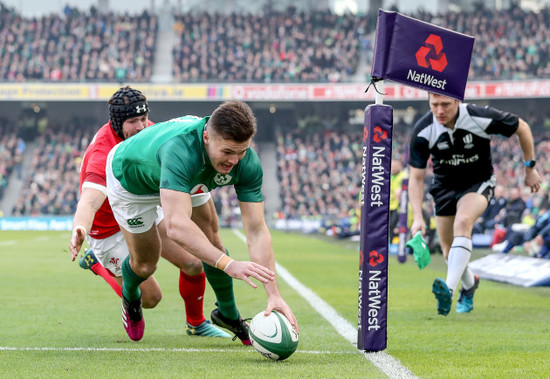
<point x="375" y="199"/>
<point x="416" y="54"/>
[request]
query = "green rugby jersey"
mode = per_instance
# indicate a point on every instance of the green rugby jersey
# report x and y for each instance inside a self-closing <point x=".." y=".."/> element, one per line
<point x="171" y="155"/>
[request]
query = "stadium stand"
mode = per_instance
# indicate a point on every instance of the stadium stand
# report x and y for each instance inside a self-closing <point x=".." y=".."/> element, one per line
<point x="8" y="153"/>
<point x="272" y="47"/>
<point x="509" y="44"/>
<point x="317" y="170"/>
<point x="77" y="46"/>
<point x="51" y="186"/>
<point x="319" y="174"/>
<point x="275" y="46"/>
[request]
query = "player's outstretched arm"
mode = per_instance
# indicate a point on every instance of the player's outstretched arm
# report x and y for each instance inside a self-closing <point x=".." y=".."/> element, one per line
<point x="181" y="229"/>
<point x="90" y="201"/>
<point x="260" y="247"/>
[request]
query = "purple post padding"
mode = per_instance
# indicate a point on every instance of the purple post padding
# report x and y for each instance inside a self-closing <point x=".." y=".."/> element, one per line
<point x="422" y="55"/>
<point x="373" y="255"/>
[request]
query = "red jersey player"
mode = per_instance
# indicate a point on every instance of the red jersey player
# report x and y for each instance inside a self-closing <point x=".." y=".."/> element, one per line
<point x="94" y="219"/>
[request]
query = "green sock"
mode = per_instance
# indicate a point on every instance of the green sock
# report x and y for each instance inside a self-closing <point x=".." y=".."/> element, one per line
<point x="222" y="284"/>
<point x="130" y="282"/>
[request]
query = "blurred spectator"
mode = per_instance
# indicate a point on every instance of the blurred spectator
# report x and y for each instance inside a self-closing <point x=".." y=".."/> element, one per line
<point x="513" y="211"/>
<point x="396" y="179"/>
<point x="8" y="152"/>
<point x="535" y="240"/>
<point x="489" y="217"/>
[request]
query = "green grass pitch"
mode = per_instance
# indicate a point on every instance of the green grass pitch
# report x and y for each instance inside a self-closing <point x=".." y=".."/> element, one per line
<point x="58" y="320"/>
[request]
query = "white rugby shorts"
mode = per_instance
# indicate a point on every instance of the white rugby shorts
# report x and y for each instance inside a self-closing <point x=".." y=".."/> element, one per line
<point x="110" y="252"/>
<point x="137" y="213"/>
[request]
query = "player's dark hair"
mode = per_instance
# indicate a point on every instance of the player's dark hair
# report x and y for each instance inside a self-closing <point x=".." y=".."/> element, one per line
<point x="233" y="120"/>
<point x="124" y="104"/>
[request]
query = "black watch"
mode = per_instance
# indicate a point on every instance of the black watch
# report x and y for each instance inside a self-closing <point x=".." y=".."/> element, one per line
<point x="530" y="163"/>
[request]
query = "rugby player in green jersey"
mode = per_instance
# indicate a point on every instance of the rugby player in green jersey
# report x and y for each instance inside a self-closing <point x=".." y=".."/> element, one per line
<point x="166" y="164"/>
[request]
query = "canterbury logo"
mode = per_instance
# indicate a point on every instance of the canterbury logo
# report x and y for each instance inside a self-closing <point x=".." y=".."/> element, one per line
<point x="134" y="221"/>
<point x="141" y="108"/>
<point x="439" y="60"/>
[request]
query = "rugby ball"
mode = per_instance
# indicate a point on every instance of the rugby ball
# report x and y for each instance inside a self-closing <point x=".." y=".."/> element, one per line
<point x="273" y="336"/>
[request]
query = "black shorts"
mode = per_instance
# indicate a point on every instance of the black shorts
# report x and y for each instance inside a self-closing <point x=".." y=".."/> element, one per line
<point x="445" y="199"/>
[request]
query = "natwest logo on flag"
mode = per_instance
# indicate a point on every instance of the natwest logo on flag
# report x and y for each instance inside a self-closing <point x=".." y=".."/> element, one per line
<point x="421" y="55"/>
<point x="439" y="60"/>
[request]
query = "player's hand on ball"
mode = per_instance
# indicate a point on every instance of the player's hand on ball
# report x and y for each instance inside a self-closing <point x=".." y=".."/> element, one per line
<point x="276" y="303"/>
<point x="246" y="270"/>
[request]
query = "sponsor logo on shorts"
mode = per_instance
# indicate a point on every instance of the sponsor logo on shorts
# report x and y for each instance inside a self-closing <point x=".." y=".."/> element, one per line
<point x="134" y="222"/>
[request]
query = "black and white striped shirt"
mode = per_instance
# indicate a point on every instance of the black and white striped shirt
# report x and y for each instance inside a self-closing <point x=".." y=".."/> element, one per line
<point x="462" y="156"/>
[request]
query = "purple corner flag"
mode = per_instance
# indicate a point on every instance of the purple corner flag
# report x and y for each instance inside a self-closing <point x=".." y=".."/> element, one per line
<point x="422" y="55"/>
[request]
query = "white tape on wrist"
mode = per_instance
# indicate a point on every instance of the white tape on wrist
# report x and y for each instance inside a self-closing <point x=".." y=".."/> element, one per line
<point x="231" y="261"/>
<point x="222" y="262"/>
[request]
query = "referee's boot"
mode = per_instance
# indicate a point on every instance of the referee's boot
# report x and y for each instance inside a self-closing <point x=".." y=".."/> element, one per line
<point x="466" y="300"/>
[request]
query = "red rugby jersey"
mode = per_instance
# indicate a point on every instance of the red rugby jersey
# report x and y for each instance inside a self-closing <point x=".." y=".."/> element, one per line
<point x="92" y="171"/>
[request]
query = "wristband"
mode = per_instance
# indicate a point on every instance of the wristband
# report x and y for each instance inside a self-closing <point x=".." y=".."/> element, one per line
<point x="223" y="262"/>
<point x="231" y="261"/>
<point x="80" y="227"/>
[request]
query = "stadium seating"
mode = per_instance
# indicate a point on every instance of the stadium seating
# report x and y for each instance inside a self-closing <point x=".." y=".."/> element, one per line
<point x="77" y="46"/>
<point x="276" y="46"/>
<point x="272" y="47"/>
<point x="52" y="183"/>
<point x="8" y="152"/>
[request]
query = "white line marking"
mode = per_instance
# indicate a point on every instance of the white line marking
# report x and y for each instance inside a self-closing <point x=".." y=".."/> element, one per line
<point x="382" y="360"/>
<point x="8" y="243"/>
<point x="152" y="349"/>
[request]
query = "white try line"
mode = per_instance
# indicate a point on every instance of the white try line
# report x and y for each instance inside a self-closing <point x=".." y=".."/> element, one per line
<point x="155" y="349"/>
<point x="382" y="360"/>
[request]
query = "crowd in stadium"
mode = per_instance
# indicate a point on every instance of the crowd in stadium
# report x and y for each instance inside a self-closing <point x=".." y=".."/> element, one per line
<point x="319" y="175"/>
<point x="318" y="171"/>
<point x="51" y="182"/>
<point x="509" y="44"/>
<point x="276" y="46"/>
<point x="77" y="46"/>
<point x="9" y="154"/>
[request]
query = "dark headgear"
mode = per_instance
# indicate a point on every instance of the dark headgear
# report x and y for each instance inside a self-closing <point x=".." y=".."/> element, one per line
<point x="124" y="104"/>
